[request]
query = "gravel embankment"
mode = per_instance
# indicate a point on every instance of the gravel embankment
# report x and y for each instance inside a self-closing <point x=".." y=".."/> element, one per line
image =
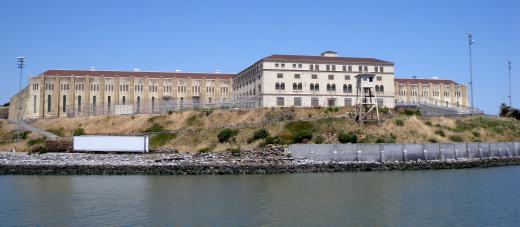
<point x="250" y="161"/>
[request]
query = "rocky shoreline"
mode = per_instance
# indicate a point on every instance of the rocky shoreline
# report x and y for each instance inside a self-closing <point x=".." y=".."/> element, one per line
<point x="271" y="160"/>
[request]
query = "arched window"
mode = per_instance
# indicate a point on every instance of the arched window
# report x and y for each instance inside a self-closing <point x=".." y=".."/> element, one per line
<point x="381" y="88"/>
<point x="94" y="104"/>
<point x="294" y="86"/>
<point x="49" y="103"/>
<point x="312" y="87"/>
<point x="64" y="108"/>
<point x="124" y="100"/>
<point x="349" y="88"/>
<point x="328" y="87"/>
<point x="138" y="109"/>
<point x="377" y="88"/>
<point x="317" y="87"/>
<point x="153" y="104"/>
<point x="282" y="86"/>
<point x="79" y="103"/>
<point x="277" y="86"/>
<point x="345" y="88"/>
<point x="109" y="103"/>
<point x="333" y="87"/>
<point x="300" y="86"/>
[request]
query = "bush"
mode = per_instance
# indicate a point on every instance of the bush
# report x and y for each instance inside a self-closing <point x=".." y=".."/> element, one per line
<point x="234" y="151"/>
<point x="383" y="110"/>
<point x="272" y="140"/>
<point x="78" y="132"/>
<point x="204" y="150"/>
<point x="432" y="140"/>
<point x="35" y="141"/>
<point x="429" y="123"/>
<point x="399" y="122"/>
<point x="386" y="139"/>
<point x="156" y="127"/>
<point x="259" y="134"/>
<point x="23" y="135"/>
<point x="159" y="140"/>
<point x="170" y="112"/>
<point x="226" y="134"/>
<point x="319" y="139"/>
<point x="40" y="149"/>
<point x="440" y="132"/>
<point x="6" y="104"/>
<point x="302" y="136"/>
<point x="412" y="112"/>
<point x="476" y="134"/>
<point x="332" y="109"/>
<point x="192" y="120"/>
<point x="349" y="137"/>
<point x="456" y="138"/>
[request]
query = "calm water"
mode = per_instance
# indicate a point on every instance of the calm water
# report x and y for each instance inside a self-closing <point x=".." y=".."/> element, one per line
<point x="471" y="197"/>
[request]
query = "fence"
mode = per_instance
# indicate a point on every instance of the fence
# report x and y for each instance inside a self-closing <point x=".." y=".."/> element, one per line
<point x="404" y="152"/>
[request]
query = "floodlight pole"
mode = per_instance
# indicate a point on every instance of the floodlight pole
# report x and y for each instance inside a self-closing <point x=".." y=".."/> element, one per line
<point x="20" y="63"/>
<point x="509" y="65"/>
<point x="470" y="42"/>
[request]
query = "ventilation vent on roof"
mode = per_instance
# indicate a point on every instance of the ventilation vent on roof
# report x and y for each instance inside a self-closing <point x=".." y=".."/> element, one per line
<point x="178" y="70"/>
<point x="435" y="77"/>
<point x="92" y="68"/>
<point x="329" y="54"/>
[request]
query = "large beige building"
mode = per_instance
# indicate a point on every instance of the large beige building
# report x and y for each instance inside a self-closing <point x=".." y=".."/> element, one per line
<point x="62" y="93"/>
<point x="273" y="81"/>
<point x="434" y="92"/>
<point x="325" y="80"/>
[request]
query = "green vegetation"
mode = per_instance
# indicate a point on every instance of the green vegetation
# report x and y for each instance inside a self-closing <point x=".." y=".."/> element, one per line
<point x="399" y="122"/>
<point x="384" y="110"/>
<point x="227" y="134"/>
<point x="259" y="134"/>
<point x="35" y="141"/>
<point x="78" y="132"/>
<point x="23" y="135"/>
<point x="440" y="132"/>
<point x="159" y="140"/>
<point x="319" y="139"/>
<point x="456" y="138"/>
<point x="412" y="112"/>
<point x="234" y="151"/>
<point x="39" y="149"/>
<point x="429" y="123"/>
<point x="6" y="104"/>
<point x="271" y="140"/>
<point x="192" y="120"/>
<point x="156" y="127"/>
<point x="331" y="109"/>
<point x="298" y="131"/>
<point x="205" y="150"/>
<point x="507" y="111"/>
<point x="386" y="139"/>
<point x="349" y="137"/>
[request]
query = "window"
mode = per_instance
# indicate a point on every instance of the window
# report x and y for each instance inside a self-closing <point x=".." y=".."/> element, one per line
<point x="296" y="76"/>
<point x="379" y="78"/>
<point x="138" y="104"/>
<point x="360" y="68"/>
<point x="331" y="77"/>
<point x="297" y="101"/>
<point x="348" y="101"/>
<point x="347" y="77"/>
<point x="349" y="88"/>
<point x="381" y="88"/>
<point x="300" y="66"/>
<point x="316" y="87"/>
<point x="377" y="88"/>
<point x="94" y="104"/>
<point x="277" y="86"/>
<point x="366" y="68"/>
<point x="375" y="69"/>
<point x="64" y="106"/>
<point x="380" y="102"/>
<point x="328" y="87"/>
<point x="317" y="67"/>
<point x="34" y="103"/>
<point x="381" y="69"/>
<point x="327" y="67"/>
<point x="276" y="65"/>
<point x="314" y="76"/>
<point x="311" y="67"/>
<point x="294" y="66"/>
<point x="333" y="87"/>
<point x="344" y="68"/>
<point x="124" y="100"/>
<point x="312" y="87"/>
<point x="295" y="86"/>
<point x="371" y="79"/>
<point x="345" y="88"/>
<point x="333" y="67"/>
<point x="279" y="75"/>
<point x="153" y="104"/>
<point x="209" y="100"/>
<point x="350" y="68"/>
<point x="315" y="101"/>
<point x="283" y="65"/>
<point x="331" y="102"/>
<point x="279" y="101"/>
<point x="79" y="103"/>
<point x="49" y="104"/>
<point x="109" y="103"/>
<point x="282" y="86"/>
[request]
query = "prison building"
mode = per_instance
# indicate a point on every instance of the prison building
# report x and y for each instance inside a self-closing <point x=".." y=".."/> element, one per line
<point x="66" y="93"/>
<point x="304" y="81"/>
<point x="433" y="92"/>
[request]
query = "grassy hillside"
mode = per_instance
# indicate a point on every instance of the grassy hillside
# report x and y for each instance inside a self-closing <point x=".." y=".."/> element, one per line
<point x="193" y="131"/>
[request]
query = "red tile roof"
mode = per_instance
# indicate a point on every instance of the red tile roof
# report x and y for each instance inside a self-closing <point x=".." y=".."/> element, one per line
<point x="424" y="81"/>
<point x="342" y="60"/>
<point x="98" y="73"/>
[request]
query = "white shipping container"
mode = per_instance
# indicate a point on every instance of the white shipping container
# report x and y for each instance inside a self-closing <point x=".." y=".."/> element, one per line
<point x="138" y="144"/>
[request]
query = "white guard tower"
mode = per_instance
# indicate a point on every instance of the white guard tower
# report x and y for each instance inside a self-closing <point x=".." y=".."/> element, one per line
<point x="366" y="102"/>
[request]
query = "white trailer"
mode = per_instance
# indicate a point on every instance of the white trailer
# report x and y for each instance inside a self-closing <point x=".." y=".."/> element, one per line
<point x="134" y="144"/>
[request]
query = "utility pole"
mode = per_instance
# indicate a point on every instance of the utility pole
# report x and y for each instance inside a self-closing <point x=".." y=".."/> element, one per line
<point x="20" y="63"/>
<point x="470" y="42"/>
<point x="509" y="64"/>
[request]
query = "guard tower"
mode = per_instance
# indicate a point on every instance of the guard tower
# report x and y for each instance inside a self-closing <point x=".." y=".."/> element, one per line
<point x="366" y="102"/>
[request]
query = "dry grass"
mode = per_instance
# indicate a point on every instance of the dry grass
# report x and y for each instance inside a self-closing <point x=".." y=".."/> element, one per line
<point x="199" y="129"/>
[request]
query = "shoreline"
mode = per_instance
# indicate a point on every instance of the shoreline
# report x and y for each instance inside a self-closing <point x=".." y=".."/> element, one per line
<point x="225" y="168"/>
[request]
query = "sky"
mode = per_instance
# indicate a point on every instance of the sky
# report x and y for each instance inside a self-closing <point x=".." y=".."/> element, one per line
<point x="422" y="38"/>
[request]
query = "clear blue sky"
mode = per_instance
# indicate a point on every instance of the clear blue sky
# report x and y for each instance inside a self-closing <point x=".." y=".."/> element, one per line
<point x="423" y="38"/>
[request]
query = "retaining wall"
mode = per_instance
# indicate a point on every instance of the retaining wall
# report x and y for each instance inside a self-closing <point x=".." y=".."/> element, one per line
<point x="404" y="152"/>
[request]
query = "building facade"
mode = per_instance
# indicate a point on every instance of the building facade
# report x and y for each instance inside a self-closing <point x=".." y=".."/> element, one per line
<point x="325" y="80"/>
<point x="66" y="93"/>
<point x="434" y="92"/>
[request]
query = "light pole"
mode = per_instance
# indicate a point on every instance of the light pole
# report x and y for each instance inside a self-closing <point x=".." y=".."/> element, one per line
<point x="509" y="64"/>
<point x="21" y="63"/>
<point x="470" y="42"/>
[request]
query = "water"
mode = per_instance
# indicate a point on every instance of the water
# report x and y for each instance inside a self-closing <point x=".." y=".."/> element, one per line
<point x="469" y="197"/>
